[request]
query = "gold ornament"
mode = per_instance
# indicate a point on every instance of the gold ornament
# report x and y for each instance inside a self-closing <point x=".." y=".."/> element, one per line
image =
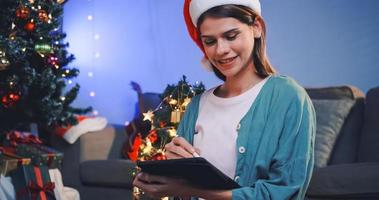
<point x="186" y="101"/>
<point x="60" y="1"/>
<point x="148" y="116"/>
<point x="176" y="116"/>
<point x="172" y="132"/>
<point x="42" y="16"/>
<point x="173" y="102"/>
<point x="22" y="12"/>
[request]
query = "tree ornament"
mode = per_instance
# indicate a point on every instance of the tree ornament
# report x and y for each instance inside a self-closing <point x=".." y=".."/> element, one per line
<point x="176" y="116"/>
<point x="10" y="99"/>
<point x="22" y="12"/>
<point x="4" y="62"/>
<point x="60" y="1"/>
<point x="43" y="48"/>
<point x="30" y="26"/>
<point x="159" y="156"/>
<point x="148" y="116"/>
<point x="52" y="60"/>
<point x="42" y="16"/>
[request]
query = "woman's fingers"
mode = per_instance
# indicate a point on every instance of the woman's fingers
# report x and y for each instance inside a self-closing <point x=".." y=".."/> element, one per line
<point x="171" y="155"/>
<point x="180" y="147"/>
<point x="177" y="150"/>
<point x="179" y="141"/>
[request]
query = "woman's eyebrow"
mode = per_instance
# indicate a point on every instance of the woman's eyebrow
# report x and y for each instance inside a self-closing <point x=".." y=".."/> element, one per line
<point x="225" y="33"/>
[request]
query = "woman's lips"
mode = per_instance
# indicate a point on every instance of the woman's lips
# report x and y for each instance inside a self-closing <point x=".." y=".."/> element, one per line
<point x="227" y="62"/>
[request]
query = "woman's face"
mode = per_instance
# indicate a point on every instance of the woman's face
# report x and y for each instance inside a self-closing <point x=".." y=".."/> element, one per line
<point x="228" y="43"/>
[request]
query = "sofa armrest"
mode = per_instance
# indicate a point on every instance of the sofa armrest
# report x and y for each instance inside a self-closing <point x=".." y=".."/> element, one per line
<point x="356" y="180"/>
<point x="104" y="144"/>
<point x="107" y="173"/>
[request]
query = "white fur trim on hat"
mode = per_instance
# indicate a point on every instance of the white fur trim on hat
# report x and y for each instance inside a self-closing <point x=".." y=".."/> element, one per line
<point x="198" y="7"/>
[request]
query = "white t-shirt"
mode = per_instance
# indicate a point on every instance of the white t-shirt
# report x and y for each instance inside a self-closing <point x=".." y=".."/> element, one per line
<point x="216" y="126"/>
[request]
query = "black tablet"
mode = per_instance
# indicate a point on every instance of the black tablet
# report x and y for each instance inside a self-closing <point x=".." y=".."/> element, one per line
<point x="196" y="170"/>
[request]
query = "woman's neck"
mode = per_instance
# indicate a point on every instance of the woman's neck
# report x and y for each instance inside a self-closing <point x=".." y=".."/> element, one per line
<point x="238" y="84"/>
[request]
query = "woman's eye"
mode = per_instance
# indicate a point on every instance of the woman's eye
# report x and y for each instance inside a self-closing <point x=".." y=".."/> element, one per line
<point x="231" y="37"/>
<point x="209" y="41"/>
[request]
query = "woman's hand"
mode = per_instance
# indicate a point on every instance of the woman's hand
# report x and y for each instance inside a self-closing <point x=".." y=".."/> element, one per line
<point x="160" y="186"/>
<point x="180" y="148"/>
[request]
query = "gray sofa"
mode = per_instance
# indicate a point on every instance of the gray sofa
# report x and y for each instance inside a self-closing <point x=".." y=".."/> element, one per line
<point x="94" y="164"/>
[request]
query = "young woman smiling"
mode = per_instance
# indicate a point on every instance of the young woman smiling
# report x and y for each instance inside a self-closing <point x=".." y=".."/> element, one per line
<point x="256" y="127"/>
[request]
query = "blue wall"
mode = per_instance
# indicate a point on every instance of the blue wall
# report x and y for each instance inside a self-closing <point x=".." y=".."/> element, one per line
<point x="319" y="43"/>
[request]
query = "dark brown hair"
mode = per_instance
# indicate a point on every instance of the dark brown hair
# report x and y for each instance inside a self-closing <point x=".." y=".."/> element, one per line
<point x="247" y="16"/>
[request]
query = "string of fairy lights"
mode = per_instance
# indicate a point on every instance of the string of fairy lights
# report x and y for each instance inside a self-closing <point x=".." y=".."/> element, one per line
<point x="95" y="52"/>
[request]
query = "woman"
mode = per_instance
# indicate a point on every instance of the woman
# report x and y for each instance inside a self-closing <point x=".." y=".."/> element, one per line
<point x="256" y="127"/>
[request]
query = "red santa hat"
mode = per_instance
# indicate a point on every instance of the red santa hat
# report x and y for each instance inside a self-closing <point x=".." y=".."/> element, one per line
<point x="85" y="125"/>
<point x="193" y="9"/>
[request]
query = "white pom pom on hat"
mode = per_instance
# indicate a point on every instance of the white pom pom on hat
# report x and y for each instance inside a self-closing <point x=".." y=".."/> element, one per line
<point x="193" y="9"/>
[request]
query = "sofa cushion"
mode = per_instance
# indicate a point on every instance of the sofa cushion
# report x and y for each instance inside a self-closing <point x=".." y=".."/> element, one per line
<point x="346" y="147"/>
<point x="369" y="148"/>
<point x="107" y="173"/>
<point x="346" y="181"/>
<point x="330" y="118"/>
<point x="338" y="92"/>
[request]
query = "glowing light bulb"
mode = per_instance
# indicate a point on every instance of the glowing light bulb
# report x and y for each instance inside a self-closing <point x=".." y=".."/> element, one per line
<point x="89" y="17"/>
<point x="90" y="74"/>
<point x="92" y="94"/>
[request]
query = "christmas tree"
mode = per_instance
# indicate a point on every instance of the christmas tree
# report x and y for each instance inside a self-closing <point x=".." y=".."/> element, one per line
<point x="164" y="120"/>
<point x="34" y="71"/>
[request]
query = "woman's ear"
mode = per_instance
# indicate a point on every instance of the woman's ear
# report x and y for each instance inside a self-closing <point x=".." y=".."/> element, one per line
<point x="257" y="28"/>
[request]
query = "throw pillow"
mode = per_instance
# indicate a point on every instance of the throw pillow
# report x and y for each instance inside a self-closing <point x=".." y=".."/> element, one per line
<point x="330" y="115"/>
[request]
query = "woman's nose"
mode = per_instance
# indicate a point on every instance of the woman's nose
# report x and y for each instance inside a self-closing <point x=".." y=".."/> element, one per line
<point x="222" y="47"/>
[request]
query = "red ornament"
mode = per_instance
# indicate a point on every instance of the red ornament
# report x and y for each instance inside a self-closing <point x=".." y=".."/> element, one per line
<point x="162" y="124"/>
<point x="30" y="26"/>
<point x="52" y="60"/>
<point x="42" y="16"/>
<point x="10" y="99"/>
<point x="133" y="155"/>
<point x="153" y="136"/>
<point x="159" y="156"/>
<point x="22" y="12"/>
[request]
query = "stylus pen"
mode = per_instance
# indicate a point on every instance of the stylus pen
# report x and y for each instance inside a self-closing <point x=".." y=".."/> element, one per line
<point x="195" y="155"/>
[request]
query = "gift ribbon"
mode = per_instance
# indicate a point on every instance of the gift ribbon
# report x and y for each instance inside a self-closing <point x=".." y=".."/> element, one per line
<point x="38" y="188"/>
<point x="17" y="137"/>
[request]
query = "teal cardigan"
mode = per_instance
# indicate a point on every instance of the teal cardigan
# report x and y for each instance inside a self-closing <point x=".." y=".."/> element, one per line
<point x="275" y="142"/>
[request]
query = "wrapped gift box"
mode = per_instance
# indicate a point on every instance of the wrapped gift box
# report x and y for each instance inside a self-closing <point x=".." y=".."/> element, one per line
<point x="41" y="155"/>
<point x="33" y="183"/>
<point x="10" y="161"/>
